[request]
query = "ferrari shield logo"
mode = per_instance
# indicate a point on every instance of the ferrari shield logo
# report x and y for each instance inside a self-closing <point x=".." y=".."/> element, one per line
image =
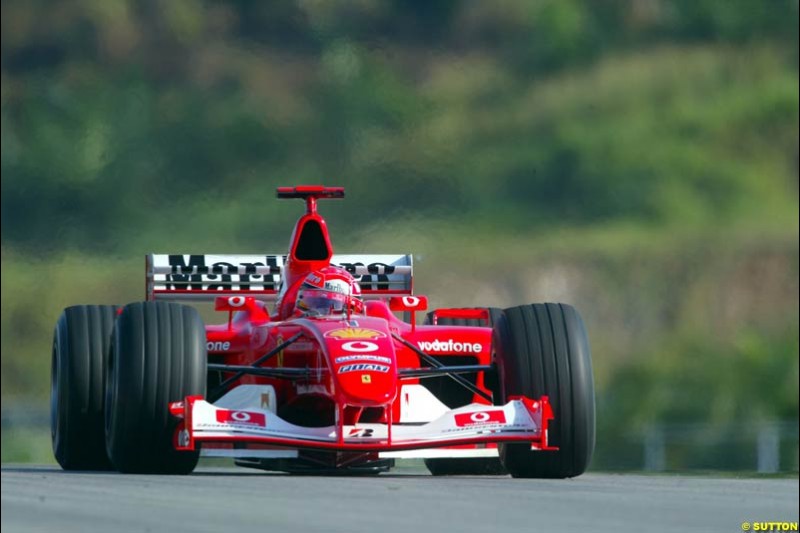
<point x="366" y="378"/>
<point x="354" y="333"/>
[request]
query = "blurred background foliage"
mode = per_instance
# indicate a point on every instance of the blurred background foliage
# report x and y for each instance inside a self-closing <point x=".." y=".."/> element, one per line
<point x="636" y="158"/>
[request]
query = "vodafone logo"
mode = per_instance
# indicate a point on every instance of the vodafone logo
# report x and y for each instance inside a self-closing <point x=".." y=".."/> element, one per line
<point x="450" y="346"/>
<point x="236" y="301"/>
<point x="360" y="346"/>
<point x="218" y="346"/>
<point x="480" y="418"/>
<point x="242" y="418"/>
<point x="408" y="303"/>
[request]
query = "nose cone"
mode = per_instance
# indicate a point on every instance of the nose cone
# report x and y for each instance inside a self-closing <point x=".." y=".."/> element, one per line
<point x="364" y="366"/>
<point x="366" y="383"/>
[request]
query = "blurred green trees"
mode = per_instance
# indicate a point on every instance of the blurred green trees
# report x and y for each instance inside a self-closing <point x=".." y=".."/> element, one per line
<point x="540" y="113"/>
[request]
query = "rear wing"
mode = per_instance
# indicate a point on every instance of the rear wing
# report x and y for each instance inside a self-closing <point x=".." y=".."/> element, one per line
<point x="204" y="276"/>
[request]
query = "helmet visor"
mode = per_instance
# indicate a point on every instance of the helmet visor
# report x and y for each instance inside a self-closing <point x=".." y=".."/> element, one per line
<point x="318" y="302"/>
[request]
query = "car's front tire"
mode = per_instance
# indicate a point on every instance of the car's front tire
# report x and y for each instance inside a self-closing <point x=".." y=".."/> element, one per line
<point x="158" y="356"/>
<point x="543" y="349"/>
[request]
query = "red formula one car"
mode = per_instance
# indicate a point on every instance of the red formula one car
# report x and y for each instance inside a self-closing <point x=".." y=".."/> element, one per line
<point x="313" y="371"/>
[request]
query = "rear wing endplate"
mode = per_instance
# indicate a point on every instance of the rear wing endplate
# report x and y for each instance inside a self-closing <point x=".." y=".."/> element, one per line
<point x="205" y="276"/>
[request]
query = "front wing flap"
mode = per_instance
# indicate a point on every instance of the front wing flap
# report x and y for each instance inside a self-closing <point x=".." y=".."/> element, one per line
<point x="520" y="420"/>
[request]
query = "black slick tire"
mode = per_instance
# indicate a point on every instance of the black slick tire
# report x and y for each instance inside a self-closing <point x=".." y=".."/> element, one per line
<point x="158" y="356"/>
<point x="77" y="386"/>
<point x="543" y="349"/>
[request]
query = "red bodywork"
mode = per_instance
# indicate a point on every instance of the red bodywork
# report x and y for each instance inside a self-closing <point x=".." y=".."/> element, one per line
<point x="348" y="373"/>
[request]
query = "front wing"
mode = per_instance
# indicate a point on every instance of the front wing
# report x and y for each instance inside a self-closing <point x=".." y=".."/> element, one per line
<point x="521" y="420"/>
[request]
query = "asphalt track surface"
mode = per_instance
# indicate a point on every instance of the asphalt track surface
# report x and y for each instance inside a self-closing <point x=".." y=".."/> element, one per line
<point x="239" y="500"/>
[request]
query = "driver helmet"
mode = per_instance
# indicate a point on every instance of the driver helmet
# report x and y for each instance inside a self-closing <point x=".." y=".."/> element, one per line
<point x="329" y="291"/>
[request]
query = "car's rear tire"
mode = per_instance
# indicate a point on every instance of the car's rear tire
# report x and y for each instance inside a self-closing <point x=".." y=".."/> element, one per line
<point x="466" y="466"/>
<point x="77" y="386"/>
<point x="158" y="356"/>
<point x="543" y="349"/>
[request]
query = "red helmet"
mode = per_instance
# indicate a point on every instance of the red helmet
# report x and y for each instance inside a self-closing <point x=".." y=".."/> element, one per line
<point x="329" y="291"/>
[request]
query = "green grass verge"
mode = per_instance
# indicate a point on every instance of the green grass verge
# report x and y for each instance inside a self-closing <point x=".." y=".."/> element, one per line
<point x="27" y="445"/>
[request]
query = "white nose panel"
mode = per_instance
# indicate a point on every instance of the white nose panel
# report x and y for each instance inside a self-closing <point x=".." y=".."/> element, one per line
<point x="246" y="397"/>
<point x="418" y="404"/>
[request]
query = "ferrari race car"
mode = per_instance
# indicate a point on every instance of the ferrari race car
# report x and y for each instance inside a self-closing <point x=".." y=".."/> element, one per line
<point x="314" y="371"/>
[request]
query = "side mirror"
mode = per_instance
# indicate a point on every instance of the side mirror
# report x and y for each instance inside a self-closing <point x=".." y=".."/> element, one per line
<point x="408" y="303"/>
<point x="233" y="303"/>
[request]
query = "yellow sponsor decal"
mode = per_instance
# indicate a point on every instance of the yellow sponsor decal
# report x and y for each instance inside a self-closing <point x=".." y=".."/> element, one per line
<point x="279" y="356"/>
<point x="366" y="378"/>
<point x="354" y="333"/>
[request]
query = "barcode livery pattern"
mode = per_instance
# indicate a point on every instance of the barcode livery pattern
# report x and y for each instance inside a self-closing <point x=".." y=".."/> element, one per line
<point x="175" y="274"/>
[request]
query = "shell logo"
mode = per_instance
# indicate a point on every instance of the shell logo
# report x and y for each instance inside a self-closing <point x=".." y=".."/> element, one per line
<point x="354" y="333"/>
